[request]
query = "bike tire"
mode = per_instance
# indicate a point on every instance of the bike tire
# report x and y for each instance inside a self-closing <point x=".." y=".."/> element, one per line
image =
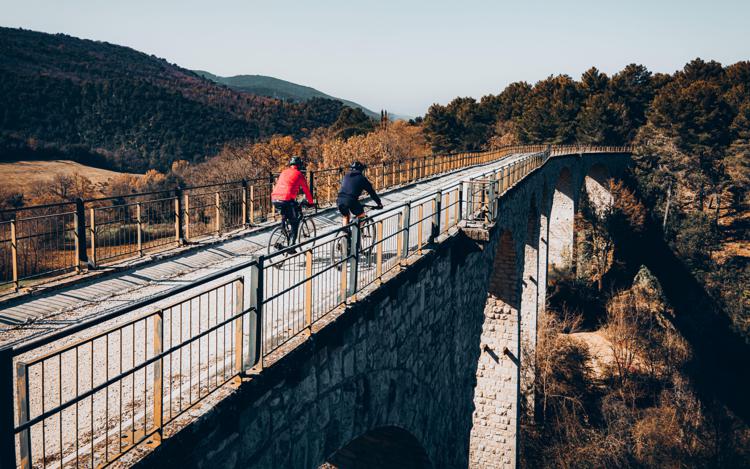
<point x="279" y="240"/>
<point x="367" y="240"/>
<point x="307" y="231"/>
<point x="338" y="250"/>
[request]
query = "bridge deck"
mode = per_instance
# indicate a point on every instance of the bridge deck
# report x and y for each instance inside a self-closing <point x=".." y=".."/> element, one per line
<point x="34" y="316"/>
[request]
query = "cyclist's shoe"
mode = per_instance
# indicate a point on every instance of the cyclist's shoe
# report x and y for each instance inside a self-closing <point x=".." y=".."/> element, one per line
<point x="292" y="251"/>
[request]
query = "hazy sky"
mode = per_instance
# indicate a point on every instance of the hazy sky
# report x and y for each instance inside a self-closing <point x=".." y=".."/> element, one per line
<point x="404" y="55"/>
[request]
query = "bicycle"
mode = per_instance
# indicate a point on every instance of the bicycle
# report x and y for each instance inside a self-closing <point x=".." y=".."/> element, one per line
<point x="281" y="236"/>
<point x="366" y="242"/>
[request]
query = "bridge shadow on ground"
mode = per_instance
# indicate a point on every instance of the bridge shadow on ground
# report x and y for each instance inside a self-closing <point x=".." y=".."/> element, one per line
<point x="720" y="364"/>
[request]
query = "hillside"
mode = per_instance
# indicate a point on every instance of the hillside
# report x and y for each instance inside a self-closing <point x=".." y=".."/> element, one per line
<point x="276" y="88"/>
<point x="111" y="106"/>
<point x="24" y="177"/>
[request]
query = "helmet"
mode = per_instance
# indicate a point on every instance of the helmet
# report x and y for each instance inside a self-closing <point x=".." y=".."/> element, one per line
<point x="357" y="166"/>
<point x="297" y="161"/>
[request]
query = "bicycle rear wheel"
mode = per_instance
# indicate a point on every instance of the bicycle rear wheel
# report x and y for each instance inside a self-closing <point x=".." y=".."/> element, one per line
<point x="279" y="240"/>
<point x="338" y="250"/>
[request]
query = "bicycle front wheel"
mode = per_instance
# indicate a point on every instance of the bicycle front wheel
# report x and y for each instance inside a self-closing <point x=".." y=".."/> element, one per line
<point x="307" y="231"/>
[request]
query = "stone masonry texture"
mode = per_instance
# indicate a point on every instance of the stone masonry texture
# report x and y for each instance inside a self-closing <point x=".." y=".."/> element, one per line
<point x="432" y="358"/>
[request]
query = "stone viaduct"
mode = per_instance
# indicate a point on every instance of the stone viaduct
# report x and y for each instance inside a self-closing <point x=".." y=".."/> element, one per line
<point x="431" y="369"/>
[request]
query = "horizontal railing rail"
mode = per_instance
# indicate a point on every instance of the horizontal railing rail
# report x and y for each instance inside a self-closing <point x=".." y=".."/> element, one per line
<point x="38" y="243"/>
<point x="88" y="394"/>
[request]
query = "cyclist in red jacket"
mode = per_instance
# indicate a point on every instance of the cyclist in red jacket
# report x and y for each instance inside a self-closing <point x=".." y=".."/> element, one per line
<point x="284" y="195"/>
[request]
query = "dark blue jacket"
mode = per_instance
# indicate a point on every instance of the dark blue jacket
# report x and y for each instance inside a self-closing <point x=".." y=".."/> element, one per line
<point x="354" y="183"/>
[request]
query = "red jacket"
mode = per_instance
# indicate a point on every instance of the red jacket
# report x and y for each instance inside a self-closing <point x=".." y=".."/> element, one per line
<point x="288" y="185"/>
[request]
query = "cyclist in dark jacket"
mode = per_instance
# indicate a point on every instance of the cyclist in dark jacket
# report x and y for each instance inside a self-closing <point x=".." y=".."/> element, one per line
<point x="352" y="186"/>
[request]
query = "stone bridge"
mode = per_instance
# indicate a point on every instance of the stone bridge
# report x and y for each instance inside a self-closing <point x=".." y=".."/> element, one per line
<point x="431" y="368"/>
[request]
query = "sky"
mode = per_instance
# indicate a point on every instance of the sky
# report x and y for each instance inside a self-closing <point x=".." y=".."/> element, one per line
<point x="404" y="55"/>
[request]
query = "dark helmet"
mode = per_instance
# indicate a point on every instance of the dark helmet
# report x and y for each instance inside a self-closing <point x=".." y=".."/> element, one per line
<point x="357" y="166"/>
<point x="297" y="161"/>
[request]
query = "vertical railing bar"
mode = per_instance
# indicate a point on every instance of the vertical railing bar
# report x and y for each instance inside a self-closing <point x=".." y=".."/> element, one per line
<point x="139" y="225"/>
<point x="308" y="291"/>
<point x="14" y="252"/>
<point x="239" y="308"/>
<point x="420" y="223"/>
<point x="405" y="222"/>
<point x="159" y="373"/>
<point x="217" y="206"/>
<point x="22" y="400"/>
<point x="379" y="251"/>
<point x="353" y="251"/>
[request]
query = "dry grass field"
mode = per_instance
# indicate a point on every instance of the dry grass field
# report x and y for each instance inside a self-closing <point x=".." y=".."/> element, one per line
<point x="20" y="176"/>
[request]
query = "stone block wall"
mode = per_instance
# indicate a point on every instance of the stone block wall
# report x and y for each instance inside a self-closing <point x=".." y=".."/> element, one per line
<point x="435" y="353"/>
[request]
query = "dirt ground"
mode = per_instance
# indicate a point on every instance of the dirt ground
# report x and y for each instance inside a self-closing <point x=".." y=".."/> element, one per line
<point x="21" y="175"/>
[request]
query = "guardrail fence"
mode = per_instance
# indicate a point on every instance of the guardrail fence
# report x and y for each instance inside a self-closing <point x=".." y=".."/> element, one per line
<point x="88" y="394"/>
<point x="41" y="243"/>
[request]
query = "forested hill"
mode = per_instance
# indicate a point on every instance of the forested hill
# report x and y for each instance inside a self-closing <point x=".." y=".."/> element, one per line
<point x="112" y="106"/>
<point x="276" y="88"/>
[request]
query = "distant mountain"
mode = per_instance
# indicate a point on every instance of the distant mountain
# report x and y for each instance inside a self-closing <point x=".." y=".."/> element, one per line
<point x="111" y="106"/>
<point x="271" y="87"/>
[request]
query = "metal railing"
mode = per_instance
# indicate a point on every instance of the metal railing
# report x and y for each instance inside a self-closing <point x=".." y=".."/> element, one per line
<point x="88" y="394"/>
<point x="39" y="243"/>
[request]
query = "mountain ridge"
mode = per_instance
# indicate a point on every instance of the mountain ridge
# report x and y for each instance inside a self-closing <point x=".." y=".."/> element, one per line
<point x="111" y="106"/>
<point x="264" y="85"/>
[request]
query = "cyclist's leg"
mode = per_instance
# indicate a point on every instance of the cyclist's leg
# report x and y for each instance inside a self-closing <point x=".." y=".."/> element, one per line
<point x="295" y="218"/>
<point x="343" y="206"/>
<point x="280" y="207"/>
<point x="357" y="209"/>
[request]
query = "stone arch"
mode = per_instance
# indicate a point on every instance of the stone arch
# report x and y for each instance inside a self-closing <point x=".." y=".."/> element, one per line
<point x="493" y="441"/>
<point x="561" y="222"/>
<point x="529" y="307"/>
<point x="388" y="446"/>
<point x="596" y="183"/>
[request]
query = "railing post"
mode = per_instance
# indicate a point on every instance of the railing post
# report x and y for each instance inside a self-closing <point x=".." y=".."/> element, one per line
<point x="139" y="225"/>
<point x="217" y="207"/>
<point x="344" y="273"/>
<point x="492" y="204"/>
<point x="239" y="307"/>
<point x="244" y="204"/>
<point x="178" y="212"/>
<point x="159" y="372"/>
<point x="437" y="205"/>
<point x="459" y="204"/>
<point x="80" y="237"/>
<point x="379" y="250"/>
<point x="252" y="204"/>
<point x="270" y="189"/>
<point x="420" y="223"/>
<point x="405" y="216"/>
<point x="353" y="259"/>
<point x="255" y="349"/>
<point x="7" y="422"/>
<point x="311" y="183"/>
<point x="92" y="233"/>
<point x="186" y="217"/>
<point x="14" y="252"/>
<point x="329" y="186"/>
<point x="308" y="291"/>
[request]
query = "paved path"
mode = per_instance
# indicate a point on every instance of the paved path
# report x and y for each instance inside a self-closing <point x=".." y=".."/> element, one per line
<point x="36" y="315"/>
